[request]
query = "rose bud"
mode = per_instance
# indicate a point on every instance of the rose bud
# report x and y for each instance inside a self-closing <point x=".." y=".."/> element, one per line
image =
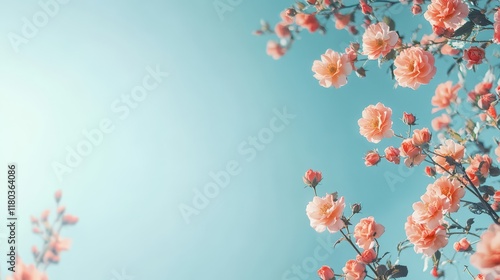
<point x="409" y="119"/>
<point x="430" y="171"/>
<point x="372" y="158"/>
<point x="312" y="178"/>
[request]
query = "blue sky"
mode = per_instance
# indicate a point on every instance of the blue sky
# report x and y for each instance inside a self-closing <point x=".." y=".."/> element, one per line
<point x="221" y="90"/>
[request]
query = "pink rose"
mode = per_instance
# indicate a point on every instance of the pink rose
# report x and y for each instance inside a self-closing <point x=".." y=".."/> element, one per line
<point x="354" y="270"/>
<point x="473" y="56"/>
<point x="416" y="9"/>
<point x="307" y="21"/>
<point x="372" y="158"/>
<point x="366" y="231"/>
<point x="430" y="171"/>
<point x="425" y="240"/>
<point x="413" y="154"/>
<point x="449" y="149"/>
<point x="368" y="256"/>
<point x="325" y="213"/>
<point x="282" y="30"/>
<point x="332" y="69"/>
<point x="430" y="209"/>
<point x="326" y="273"/>
<point x="444" y="95"/>
<point x="341" y="21"/>
<point x="485" y="101"/>
<point x="275" y="50"/>
<point x="392" y="154"/>
<point x="378" y="40"/>
<point x="312" y="178"/>
<point x="446" y="13"/>
<point x="441" y="122"/>
<point x="409" y="119"/>
<point x="376" y="123"/>
<point x="414" y="67"/>
<point x="463" y="245"/>
<point x="421" y="137"/>
<point x="487" y="256"/>
<point x="451" y="189"/>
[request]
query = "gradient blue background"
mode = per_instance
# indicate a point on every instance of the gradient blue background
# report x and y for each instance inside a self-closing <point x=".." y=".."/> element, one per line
<point x="221" y="90"/>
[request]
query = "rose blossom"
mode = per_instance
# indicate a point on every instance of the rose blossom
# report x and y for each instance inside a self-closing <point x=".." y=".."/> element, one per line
<point x="462" y="245"/>
<point x="325" y="213"/>
<point x="430" y="210"/>
<point x="275" y="50"/>
<point x="326" y="273"/>
<point x="487" y="256"/>
<point x="449" y="149"/>
<point x="376" y="123"/>
<point x="421" y="137"/>
<point x="478" y="167"/>
<point x="341" y="21"/>
<point x="409" y="119"/>
<point x="282" y="30"/>
<point x="441" y="122"/>
<point x="332" y="69"/>
<point x="414" y="67"/>
<point x="444" y="95"/>
<point x="473" y="56"/>
<point x="286" y="16"/>
<point x="430" y="171"/>
<point x="412" y="153"/>
<point x="451" y="189"/>
<point x="312" y="178"/>
<point x="392" y="154"/>
<point x="446" y="13"/>
<point x="372" y="158"/>
<point x="354" y="270"/>
<point x="378" y="40"/>
<point x="368" y="256"/>
<point x="425" y="240"/>
<point x="307" y="21"/>
<point x="366" y="231"/>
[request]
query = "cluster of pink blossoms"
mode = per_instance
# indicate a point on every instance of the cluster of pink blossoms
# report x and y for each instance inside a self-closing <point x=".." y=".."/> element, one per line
<point x="53" y="243"/>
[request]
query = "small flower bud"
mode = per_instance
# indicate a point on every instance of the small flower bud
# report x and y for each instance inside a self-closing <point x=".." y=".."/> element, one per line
<point x="356" y="208"/>
<point x="409" y="119"/>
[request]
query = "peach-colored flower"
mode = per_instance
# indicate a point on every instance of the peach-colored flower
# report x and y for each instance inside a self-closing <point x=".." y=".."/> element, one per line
<point x="332" y="69"/>
<point x="463" y="245"/>
<point x="312" y="178"/>
<point x="425" y="240"/>
<point x="69" y="219"/>
<point x="487" y="256"/>
<point x="479" y="168"/>
<point x="366" y="231"/>
<point x="441" y="122"/>
<point x="496" y="27"/>
<point x="413" y="154"/>
<point x="372" y="158"/>
<point x="430" y="210"/>
<point x="409" y="119"/>
<point x="26" y="272"/>
<point x="282" y="30"/>
<point x="449" y="150"/>
<point x="485" y="101"/>
<point x="446" y="13"/>
<point x="451" y="189"/>
<point x="480" y="277"/>
<point x="341" y="21"/>
<point x="414" y="67"/>
<point x="326" y="273"/>
<point x="430" y="171"/>
<point x="275" y="50"/>
<point x="354" y="270"/>
<point x="368" y="256"/>
<point x="307" y="21"/>
<point x="473" y="56"/>
<point x="325" y="213"/>
<point x="376" y="123"/>
<point x="378" y="40"/>
<point x="445" y="94"/>
<point x="421" y="137"/>
<point x="416" y="9"/>
<point x="392" y="154"/>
